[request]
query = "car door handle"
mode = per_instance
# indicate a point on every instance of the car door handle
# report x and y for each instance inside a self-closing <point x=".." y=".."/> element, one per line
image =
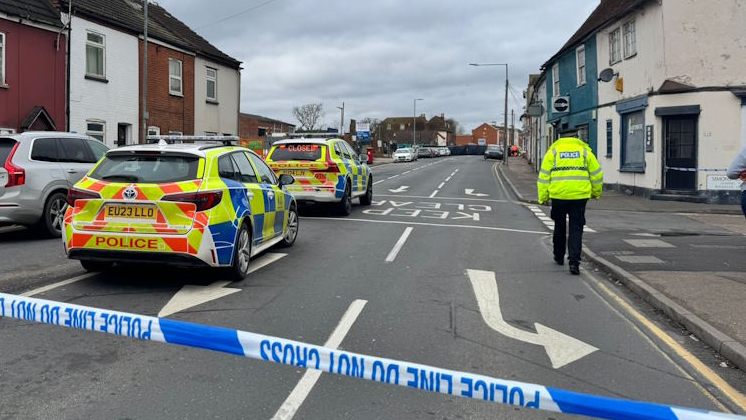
<point x="72" y="171"/>
<point x="250" y="195"/>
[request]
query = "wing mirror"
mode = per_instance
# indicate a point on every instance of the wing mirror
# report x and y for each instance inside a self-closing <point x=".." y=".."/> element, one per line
<point x="286" y="179"/>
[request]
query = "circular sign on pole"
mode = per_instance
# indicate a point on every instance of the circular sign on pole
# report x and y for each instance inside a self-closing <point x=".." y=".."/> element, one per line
<point x="561" y="104"/>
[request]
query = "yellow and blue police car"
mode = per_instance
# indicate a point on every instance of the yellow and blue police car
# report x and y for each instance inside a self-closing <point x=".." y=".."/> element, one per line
<point x="326" y="170"/>
<point x="192" y="204"/>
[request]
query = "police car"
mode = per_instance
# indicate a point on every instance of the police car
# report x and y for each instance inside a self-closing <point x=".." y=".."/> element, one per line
<point x="213" y="205"/>
<point x="326" y="170"/>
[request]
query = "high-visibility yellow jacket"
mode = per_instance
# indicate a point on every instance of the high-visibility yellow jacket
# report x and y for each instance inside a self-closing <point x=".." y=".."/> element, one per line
<point x="569" y="171"/>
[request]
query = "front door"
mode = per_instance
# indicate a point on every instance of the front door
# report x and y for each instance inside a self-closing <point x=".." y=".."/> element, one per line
<point x="680" y="133"/>
<point x="121" y="134"/>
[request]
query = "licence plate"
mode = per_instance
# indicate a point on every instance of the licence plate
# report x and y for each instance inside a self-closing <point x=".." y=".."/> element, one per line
<point x="122" y="211"/>
<point x="295" y="172"/>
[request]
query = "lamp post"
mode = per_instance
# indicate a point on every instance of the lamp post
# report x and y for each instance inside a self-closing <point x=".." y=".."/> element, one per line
<point x="414" y="121"/>
<point x="505" y="126"/>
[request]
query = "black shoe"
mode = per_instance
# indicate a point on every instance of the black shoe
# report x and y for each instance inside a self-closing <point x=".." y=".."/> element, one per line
<point x="574" y="270"/>
<point x="559" y="261"/>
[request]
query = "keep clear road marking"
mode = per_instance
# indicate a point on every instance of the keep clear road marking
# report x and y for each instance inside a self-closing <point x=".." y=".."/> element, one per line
<point x="397" y="222"/>
<point x="303" y="388"/>
<point x="192" y="295"/>
<point x="58" y="284"/>
<point x="561" y="349"/>
<point x="399" y="244"/>
<point x="403" y="188"/>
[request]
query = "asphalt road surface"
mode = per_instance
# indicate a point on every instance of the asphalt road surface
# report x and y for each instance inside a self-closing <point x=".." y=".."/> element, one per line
<point x="453" y="273"/>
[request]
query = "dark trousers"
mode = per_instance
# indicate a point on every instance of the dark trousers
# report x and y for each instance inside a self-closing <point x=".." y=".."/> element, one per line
<point x="743" y="202"/>
<point x="576" y="210"/>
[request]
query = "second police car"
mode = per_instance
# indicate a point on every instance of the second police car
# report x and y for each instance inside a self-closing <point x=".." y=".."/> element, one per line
<point x="211" y="205"/>
<point x="326" y="170"/>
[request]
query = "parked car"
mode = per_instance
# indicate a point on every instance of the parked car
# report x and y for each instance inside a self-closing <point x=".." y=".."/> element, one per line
<point x="40" y="167"/>
<point x="494" y="151"/>
<point x="425" y="152"/>
<point x="443" y="151"/>
<point x="404" y="154"/>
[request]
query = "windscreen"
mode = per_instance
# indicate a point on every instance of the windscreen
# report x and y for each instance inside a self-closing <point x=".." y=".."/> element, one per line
<point x="298" y="151"/>
<point x="405" y="150"/>
<point x="150" y="169"/>
<point x="6" y="145"/>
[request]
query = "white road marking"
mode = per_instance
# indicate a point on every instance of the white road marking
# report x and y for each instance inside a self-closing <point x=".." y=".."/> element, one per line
<point x="397" y="222"/>
<point x="640" y="259"/>
<point x="398" y="245"/>
<point x="393" y="176"/>
<point x="470" y="191"/>
<point x="434" y="194"/>
<point x="406" y="172"/>
<point x="648" y="243"/>
<point x="561" y="348"/>
<point x="548" y="222"/>
<point x="448" y="179"/>
<point x="58" y="284"/>
<point x="444" y="198"/>
<point x="303" y="388"/>
<point x="441" y="185"/>
<point x="403" y="188"/>
<point x="192" y="295"/>
<point x="545" y="218"/>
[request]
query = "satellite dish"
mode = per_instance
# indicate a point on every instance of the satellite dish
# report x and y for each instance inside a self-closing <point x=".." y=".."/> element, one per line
<point x="606" y="75"/>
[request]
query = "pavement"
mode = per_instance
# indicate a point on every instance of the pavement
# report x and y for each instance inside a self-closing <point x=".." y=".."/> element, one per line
<point x="684" y="258"/>
<point x="454" y="274"/>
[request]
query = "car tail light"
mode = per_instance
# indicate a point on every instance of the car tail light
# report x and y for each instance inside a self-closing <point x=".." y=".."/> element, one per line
<point x="16" y="174"/>
<point x="204" y="200"/>
<point x="74" y="194"/>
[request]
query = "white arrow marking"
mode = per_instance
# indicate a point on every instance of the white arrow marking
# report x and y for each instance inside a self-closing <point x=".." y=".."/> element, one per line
<point x="470" y="191"/>
<point x="191" y="295"/>
<point x="403" y="188"/>
<point x="561" y="349"/>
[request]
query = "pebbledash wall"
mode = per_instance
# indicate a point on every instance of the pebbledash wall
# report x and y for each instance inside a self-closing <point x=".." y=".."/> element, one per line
<point x="221" y="115"/>
<point x="112" y="100"/>
<point x="689" y="61"/>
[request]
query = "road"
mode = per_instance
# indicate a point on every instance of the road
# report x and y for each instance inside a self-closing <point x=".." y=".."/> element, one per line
<point x="430" y="273"/>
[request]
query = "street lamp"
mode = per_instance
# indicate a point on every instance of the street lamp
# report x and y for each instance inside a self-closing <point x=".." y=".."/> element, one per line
<point x="414" y="121"/>
<point x="505" y="127"/>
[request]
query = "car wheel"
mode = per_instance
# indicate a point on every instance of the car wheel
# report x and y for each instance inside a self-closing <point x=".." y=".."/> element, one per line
<point x="241" y="254"/>
<point x="291" y="233"/>
<point x="345" y="206"/>
<point x="367" y="199"/>
<point x="50" y="224"/>
<point x="94" y="266"/>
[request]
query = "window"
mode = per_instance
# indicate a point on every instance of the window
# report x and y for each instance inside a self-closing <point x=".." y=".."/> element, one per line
<point x="175" y="133"/>
<point x="154" y="131"/>
<point x="212" y="84"/>
<point x="401" y="127"/>
<point x="388" y="127"/>
<point x="555" y="80"/>
<point x="630" y="39"/>
<point x="226" y="169"/>
<point x="297" y="151"/>
<point x="95" y="48"/>
<point x="75" y="151"/>
<point x="266" y="175"/>
<point x="350" y="151"/>
<point x="174" y="77"/>
<point x="615" y="47"/>
<point x="633" y="142"/>
<point x="147" y="168"/>
<point x="245" y="171"/>
<point x="2" y="59"/>
<point x="44" y="150"/>
<point x="96" y="129"/>
<point x="609" y="139"/>
<point x="341" y="151"/>
<point x="98" y="149"/>
<point x="580" y="61"/>
<point x="583" y="132"/>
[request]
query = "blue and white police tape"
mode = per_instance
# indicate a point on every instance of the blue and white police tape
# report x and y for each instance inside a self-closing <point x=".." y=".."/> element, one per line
<point x="294" y="353"/>
<point x="675" y="168"/>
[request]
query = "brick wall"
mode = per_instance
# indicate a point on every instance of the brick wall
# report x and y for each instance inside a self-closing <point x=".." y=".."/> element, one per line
<point x="168" y="112"/>
<point x="248" y="127"/>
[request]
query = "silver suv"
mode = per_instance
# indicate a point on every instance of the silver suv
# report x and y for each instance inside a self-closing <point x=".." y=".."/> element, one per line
<point x="36" y="171"/>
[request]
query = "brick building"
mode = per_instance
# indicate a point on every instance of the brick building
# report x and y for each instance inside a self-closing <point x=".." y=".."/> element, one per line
<point x="255" y="127"/>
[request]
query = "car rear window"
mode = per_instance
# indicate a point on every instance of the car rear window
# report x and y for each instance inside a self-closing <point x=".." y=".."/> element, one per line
<point x="145" y="168"/>
<point x="6" y="145"/>
<point x="299" y="151"/>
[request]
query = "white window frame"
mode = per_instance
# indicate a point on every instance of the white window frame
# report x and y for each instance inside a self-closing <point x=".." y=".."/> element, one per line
<point x="209" y="79"/>
<point x="180" y="92"/>
<point x="94" y="133"/>
<point x="555" y="80"/>
<point x="154" y="131"/>
<point x="630" y="38"/>
<point x="580" y="67"/>
<point x="2" y="59"/>
<point x="615" y="45"/>
<point x="102" y="46"/>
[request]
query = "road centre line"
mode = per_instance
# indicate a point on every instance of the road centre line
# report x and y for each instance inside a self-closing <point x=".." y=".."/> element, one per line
<point x="398" y="245"/>
<point x="442" y="198"/>
<point x="393" y="176"/>
<point x="293" y="402"/>
<point x="448" y="179"/>
<point x="441" y="185"/>
<point x="406" y="172"/>
<point x="715" y="379"/>
<point x="58" y="284"/>
<point x="397" y="222"/>
<point x="434" y="194"/>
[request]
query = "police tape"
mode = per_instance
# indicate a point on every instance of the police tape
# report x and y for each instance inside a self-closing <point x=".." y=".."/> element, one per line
<point x="344" y="363"/>
<point x="674" y="168"/>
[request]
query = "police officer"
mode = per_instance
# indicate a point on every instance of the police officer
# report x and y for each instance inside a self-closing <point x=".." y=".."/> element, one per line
<point x="569" y="176"/>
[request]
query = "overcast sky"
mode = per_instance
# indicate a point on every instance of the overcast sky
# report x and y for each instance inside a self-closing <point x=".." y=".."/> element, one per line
<point x="376" y="56"/>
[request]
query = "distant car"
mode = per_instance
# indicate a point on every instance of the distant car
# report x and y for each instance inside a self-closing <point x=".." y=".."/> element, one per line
<point x="494" y="151"/>
<point x="405" y="155"/>
<point x="447" y="151"/>
<point x="443" y="151"/>
<point x="39" y="167"/>
<point x="425" y="152"/>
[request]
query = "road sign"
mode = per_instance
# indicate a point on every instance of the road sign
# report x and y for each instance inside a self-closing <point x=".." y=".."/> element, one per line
<point x="560" y="104"/>
<point x="363" y="132"/>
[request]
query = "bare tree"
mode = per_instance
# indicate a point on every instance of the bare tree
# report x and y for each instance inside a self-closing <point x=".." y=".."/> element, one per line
<point x="308" y="115"/>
